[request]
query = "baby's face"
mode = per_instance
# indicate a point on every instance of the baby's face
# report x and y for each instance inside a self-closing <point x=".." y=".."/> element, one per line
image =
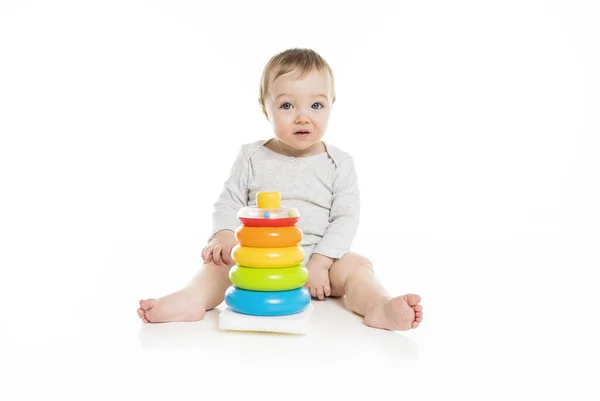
<point x="299" y="109"/>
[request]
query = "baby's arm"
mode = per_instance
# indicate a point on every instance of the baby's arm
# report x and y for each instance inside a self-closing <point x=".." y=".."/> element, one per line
<point x="224" y="217"/>
<point x="344" y="214"/>
<point x="233" y="197"/>
<point x="343" y="224"/>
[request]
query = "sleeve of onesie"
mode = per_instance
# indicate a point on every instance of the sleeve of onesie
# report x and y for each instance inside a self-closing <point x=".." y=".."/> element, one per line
<point x="233" y="197"/>
<point x="345" y="213"/>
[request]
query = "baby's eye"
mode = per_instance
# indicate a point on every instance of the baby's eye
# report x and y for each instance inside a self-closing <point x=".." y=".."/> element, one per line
<point x="286" y="106"/>
<point x="319" y="106"/>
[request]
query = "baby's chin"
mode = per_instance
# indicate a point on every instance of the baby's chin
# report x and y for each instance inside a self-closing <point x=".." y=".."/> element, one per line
<point x="302" y="144"/>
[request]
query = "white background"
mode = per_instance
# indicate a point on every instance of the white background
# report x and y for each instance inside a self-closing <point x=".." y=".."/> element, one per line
<point x="474" y="127"/>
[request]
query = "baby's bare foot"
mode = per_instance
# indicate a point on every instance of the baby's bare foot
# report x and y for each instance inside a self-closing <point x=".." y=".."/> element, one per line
<point x="181" y="306"/>
<point x="400" y="313"/>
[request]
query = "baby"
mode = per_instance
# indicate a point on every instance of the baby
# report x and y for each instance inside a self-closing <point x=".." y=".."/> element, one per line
<point x="296" y="96"/>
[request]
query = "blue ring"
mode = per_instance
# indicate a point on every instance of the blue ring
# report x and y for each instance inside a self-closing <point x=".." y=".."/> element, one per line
<point x="267" y="303"/>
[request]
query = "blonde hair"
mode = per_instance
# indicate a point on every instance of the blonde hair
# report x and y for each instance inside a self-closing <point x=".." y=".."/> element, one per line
<point x="296" y="59"/>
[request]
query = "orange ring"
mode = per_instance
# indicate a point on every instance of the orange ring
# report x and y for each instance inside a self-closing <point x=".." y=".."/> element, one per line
<point x="268" y="237"/>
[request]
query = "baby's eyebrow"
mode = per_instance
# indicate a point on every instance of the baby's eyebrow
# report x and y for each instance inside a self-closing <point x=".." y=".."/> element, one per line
<point x="312" y="94"/>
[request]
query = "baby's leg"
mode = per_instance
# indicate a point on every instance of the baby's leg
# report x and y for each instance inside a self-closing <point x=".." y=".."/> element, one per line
<point x="354" y="277"/>
<point x="204" y="292"/>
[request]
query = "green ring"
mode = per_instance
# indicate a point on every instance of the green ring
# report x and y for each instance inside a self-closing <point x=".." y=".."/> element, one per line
<point x="272" y="279"/>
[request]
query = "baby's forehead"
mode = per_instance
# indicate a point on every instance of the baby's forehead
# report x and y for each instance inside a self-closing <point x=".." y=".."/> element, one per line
<point x="297" y="82"/>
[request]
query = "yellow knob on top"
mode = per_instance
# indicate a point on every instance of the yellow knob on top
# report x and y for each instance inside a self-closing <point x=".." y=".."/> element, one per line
<point x="268" y="200"/>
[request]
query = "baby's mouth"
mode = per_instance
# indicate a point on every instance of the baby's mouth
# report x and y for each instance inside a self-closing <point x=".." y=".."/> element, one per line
<point x="301" y="133"/>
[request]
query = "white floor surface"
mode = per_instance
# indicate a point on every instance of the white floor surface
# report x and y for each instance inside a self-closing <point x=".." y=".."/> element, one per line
<point x="86" y="340"/>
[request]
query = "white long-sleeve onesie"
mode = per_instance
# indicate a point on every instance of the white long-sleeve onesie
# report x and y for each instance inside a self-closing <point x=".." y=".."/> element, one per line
<point x="323" y="187"/>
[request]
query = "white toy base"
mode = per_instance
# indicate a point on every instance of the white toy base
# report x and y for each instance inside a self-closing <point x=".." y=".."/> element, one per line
<point x="291" y="324"/>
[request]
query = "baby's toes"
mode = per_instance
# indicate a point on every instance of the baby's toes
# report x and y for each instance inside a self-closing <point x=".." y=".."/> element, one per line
<point x="418" y="308"/>
<point x="412" y="299"/>
<point x="142" y="315"/>
<point x="415" y="325"/>
<point x="146" y="304"/>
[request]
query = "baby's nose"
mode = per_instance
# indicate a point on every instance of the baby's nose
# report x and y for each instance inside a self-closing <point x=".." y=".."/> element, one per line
<point x="302" y="117"/>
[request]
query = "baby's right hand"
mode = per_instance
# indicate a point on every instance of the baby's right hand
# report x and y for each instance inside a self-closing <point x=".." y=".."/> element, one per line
<point x="219" y="249"/>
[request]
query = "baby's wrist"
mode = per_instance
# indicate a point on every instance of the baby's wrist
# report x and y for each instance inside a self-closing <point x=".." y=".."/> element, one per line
<point x="322" y="260"/>
<point x="224" y="234"/>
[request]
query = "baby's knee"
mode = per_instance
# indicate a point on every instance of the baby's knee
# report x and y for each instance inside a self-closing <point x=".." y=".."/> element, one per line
<point x="366" y="264"/>
<point x="360" y="262"/>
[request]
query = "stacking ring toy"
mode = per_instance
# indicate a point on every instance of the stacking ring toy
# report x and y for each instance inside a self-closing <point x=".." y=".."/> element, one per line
<point x="268" y="257"/>
<point x="281" y="279"/>
<point x="269" y="213"/>
<point x="268" y="237"/>
<point x="271" y="303"/>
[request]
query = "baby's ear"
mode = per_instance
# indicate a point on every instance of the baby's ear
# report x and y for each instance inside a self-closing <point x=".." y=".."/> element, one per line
<point x="264" y="109"/>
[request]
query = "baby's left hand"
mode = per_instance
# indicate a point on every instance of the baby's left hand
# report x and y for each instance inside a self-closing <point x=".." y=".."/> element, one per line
<point x="318" y="276"/>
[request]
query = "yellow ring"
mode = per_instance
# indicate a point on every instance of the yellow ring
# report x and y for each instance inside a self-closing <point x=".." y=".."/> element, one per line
<point x="268" y="237"/>
<point x="268" y="257"/>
